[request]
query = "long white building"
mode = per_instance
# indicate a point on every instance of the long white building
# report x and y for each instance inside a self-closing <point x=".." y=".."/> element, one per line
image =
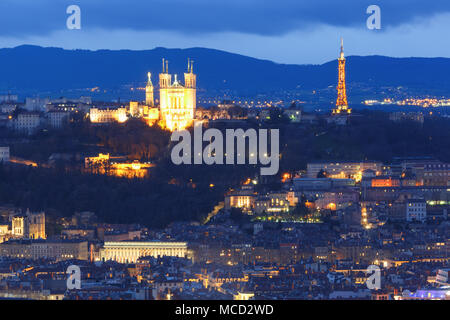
<point x="131" y="251"/>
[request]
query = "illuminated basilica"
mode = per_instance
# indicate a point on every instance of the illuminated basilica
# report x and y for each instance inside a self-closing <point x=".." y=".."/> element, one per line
<point x="177" y="103"/>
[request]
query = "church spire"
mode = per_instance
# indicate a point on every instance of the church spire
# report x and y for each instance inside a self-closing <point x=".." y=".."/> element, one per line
<point x="149" y="82"/>
<point x="149" y="91"/>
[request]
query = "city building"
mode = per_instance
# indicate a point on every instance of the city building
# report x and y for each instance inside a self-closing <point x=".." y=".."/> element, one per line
<point x="278" y="202"/>
<point x="416" y="210"/>
<point x="29" y="226"/>
<point x="273" y="202"/>
<point x="436" y="174"/>
<point x="177" y="102"/>
<point x="243" y="198"/>
<point x="134" y="109"/>
<point x="336" y="200"/>
<point x="407" y="116"/>
<point x="117" y="166"/>
<point x="343" y="169"/>
<point x="131" y="251"/>
<point x="83" y="104"/>
<point x="442" y="277"/>
<point x="4" y="154"/>
<point x="9" y="98"/>
<point x="36" y="104"/>
<point x="27" y="122"/>
<point x="312" y="184"/>
<point x="56" y="119"/>
<point x="45" y="249"/>
<point x="108" y="115"/>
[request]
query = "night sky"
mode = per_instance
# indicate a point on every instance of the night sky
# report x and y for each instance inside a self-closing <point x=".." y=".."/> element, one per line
<point x="286" y="31"/>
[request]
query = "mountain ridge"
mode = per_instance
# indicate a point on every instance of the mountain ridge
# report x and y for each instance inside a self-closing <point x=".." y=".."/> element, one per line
<point x="33" y="67"/>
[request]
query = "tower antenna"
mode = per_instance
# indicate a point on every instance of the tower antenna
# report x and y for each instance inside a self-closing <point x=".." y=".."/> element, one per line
<point x="163" y="65"/>
<point x="167" y="66"/>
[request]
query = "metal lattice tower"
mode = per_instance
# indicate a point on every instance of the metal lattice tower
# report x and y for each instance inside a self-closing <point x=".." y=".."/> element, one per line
<point x="341" y="102"/>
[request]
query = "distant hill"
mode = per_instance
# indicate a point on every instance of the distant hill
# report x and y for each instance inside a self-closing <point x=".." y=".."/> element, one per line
<point x="52" y="69"/>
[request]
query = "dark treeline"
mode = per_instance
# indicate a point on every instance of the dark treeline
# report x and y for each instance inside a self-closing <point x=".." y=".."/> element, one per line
<point x="189" y="192"/>
<point x="115" y="200"/>
<point x="134" y="139"/>
<point x="369" y="137"/>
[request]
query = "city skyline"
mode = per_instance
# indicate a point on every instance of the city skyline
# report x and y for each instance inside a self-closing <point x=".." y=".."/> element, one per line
<point x="201" y="174"/>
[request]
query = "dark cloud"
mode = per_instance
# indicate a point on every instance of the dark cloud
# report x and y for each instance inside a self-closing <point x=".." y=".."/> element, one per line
<point x="263" y="17"/>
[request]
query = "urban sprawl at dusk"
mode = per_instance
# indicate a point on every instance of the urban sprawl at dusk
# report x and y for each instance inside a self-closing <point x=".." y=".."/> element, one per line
<point x="208" y="175"/>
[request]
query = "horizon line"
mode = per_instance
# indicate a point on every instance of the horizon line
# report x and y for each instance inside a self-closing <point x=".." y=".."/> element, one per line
<point x="220" y="50"/>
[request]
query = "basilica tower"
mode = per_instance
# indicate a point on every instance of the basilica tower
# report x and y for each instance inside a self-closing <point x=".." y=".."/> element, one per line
<point x="190" y="90"/>
<point x="165" y="80"/>
<point x="149" y="100"/>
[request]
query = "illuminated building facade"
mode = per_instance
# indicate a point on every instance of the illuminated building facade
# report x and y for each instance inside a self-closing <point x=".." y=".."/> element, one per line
<point x="131" y="170"/>
<point x="108" y="115"/>
<point x="149" y="113"/>
<point x="240" y="201"/>
<point x="134" y="109"/>
<point x="29" y="226"/>
<point x="100" y="160"/>
<point x="177" y="102"/>
<point x="243" y="199"/>
<point x="341" y="102"/>
<point x="275" y="202"/>
<point x="36" y="225"/>
<point x="131" y="251"/>
<point x="103" y="164"/>
<point x="383" y="182"/>
<point x="243" y="296"/>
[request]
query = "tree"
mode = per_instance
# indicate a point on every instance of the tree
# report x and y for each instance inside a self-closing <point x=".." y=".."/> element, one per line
<point x="301" y="210"/>
<point x="322" y="174"/>
<point x="277" y="116"/>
